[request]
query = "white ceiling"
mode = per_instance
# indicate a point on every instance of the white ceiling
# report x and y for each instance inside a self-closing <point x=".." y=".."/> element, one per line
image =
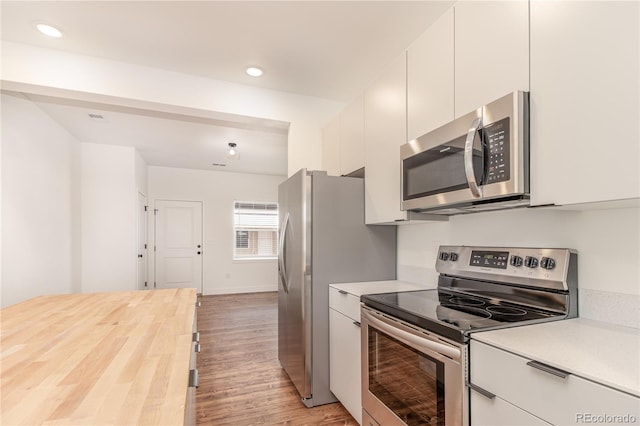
<point x="327" y="49"/>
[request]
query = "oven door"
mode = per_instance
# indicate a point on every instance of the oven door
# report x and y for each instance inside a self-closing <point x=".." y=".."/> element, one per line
<point x="410" y="377"/>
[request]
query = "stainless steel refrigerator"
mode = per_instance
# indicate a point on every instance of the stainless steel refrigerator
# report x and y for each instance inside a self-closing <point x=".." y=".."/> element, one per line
<point x="323" y="240"/>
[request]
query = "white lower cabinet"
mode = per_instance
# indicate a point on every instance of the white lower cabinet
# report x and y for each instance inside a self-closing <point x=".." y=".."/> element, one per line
<point x="498" y="412"/>
<point x="517" y="390"/>
<point x="344" y="350"/>
<point x="190" y="405"/>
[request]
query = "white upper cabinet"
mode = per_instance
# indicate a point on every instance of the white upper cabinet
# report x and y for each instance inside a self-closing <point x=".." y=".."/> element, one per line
<point x="430" y="78"/>
<point x="343" y="140"/>
<point x="585" y="141"/>
<point x="491" y="51"/>
<point x="331" y="147"/>
<point x="385" y="130"/>
<point x="352" y="136"/>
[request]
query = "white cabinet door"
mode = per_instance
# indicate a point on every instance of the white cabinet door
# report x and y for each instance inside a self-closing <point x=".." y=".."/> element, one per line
<point x="531" y="387"/>
<point x="352" y="137"/>
<point x="430" y="78"/>
<point x="584" y="101"/>
<point x="497" y="412"/>
<point x="331" y="147"/>
<point x="385" y="130"/>
<point x="344" y="359"/>
<point x="491" y="51"/>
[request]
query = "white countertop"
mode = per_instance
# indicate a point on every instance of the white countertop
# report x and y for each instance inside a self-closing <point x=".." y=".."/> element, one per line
<point x="372" y="287"/>
<point x="601" y="352"/>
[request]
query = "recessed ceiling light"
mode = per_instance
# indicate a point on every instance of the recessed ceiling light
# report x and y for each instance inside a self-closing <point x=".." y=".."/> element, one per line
<point x="254" y="71"/>
<point x="49" y="31"/>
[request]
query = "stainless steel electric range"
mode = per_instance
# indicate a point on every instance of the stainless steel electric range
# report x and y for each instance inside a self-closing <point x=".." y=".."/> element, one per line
<point x="415" y="344"/>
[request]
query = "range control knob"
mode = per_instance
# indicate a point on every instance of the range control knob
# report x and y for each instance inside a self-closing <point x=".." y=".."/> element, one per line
<point x="530" y="262"/>
<point x="444" y="256"/>
<point x="547" y="263"/>
<point x="515" y="261"/>
<point x="453" y="256"/>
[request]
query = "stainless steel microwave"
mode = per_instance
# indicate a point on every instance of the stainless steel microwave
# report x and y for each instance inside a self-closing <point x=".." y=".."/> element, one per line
<point x="477" y="162"/>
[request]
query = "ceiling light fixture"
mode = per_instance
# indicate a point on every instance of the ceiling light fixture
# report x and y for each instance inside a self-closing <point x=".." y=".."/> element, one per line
<point x="49" y="31"/>
<point x="232" y="153"/>
<point x="254" y="71"/>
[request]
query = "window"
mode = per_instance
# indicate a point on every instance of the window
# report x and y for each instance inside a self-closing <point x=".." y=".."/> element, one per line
<point x="256" y="230"/>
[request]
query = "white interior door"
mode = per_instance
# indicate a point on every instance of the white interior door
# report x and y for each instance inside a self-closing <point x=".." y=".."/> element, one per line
<point x="142" y="242"/>
<point x="178" y="239"/>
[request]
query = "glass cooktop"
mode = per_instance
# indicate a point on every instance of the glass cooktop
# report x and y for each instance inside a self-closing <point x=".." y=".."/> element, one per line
<point x="452" y="315"/>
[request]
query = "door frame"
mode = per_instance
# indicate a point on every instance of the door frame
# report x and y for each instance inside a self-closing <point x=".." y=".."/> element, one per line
<point x="145" y="229"/>
<point x="154" y="263"/>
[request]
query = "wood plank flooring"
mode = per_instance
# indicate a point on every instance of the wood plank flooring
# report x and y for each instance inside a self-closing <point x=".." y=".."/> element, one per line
<point x="241" y="380"/>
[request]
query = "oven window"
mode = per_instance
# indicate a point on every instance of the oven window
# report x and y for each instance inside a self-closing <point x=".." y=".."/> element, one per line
<point x="408" y="382"/>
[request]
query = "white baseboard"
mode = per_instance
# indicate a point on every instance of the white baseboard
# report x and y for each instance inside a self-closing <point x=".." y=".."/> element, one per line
<point x="239" y="290"/>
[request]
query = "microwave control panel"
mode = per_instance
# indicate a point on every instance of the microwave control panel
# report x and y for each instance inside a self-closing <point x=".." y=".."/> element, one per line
<point x="496" y="136"/>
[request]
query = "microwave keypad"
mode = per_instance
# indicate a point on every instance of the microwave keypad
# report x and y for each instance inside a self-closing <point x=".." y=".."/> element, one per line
<point x="497" y="140"/>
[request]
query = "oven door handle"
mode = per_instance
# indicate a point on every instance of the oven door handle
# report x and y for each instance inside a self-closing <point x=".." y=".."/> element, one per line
<point x="421" y="343"/>
<point x="468" y="157"/>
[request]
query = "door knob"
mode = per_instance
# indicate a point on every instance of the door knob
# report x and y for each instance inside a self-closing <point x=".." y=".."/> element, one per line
<point x="140" y="256"/>
<point x="199" y="246"/>
<point x="199" y="252"/>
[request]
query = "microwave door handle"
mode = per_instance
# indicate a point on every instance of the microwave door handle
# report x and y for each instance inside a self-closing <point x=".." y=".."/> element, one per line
<point x="468" y="157"/>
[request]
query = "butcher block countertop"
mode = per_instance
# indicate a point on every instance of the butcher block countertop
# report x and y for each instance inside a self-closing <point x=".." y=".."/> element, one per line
<point x="97" y="359"/>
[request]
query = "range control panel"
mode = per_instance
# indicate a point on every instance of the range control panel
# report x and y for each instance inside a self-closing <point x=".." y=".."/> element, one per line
<point x="489" y="259"/>
<point x="506" y="263"/>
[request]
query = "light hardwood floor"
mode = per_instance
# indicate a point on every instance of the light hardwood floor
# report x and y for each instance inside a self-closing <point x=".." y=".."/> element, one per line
<point x="241" y="380"/>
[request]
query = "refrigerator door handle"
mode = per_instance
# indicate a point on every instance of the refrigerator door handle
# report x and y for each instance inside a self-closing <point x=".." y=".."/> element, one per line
<point x="282" y="271"/>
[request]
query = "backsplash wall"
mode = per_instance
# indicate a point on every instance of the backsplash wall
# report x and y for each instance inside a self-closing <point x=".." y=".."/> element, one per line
<point x="607" y="242"/>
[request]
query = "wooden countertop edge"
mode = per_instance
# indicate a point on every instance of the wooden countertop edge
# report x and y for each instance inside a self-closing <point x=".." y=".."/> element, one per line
<point x="102" y="358"/>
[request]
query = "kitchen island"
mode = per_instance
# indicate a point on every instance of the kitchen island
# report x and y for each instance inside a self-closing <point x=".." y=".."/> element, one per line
<point x="103" y="358"/>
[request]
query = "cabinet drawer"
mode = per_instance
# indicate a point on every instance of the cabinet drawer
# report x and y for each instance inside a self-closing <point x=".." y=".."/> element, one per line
<point x="345" y="303"/>
<point x="497" y="412"/>
<point x="555" y="399"/>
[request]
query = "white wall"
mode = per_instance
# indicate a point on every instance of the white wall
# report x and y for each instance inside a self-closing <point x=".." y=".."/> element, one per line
<point x="218" y="191"/>
<point x="32" y="69"/>
<point x="109" y="199"/>
<point x="40" y="210"/>
<point x="142" y="179"/>
<point x="607" y="241"/>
